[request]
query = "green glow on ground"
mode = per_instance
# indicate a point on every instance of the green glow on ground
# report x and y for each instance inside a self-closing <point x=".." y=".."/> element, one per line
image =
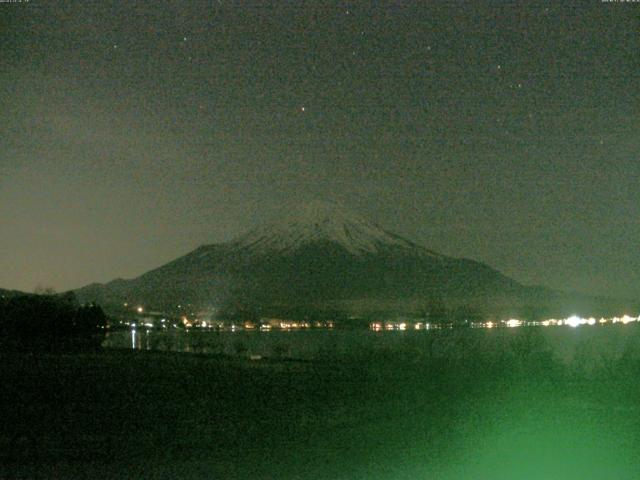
<point x="514" y="413"/>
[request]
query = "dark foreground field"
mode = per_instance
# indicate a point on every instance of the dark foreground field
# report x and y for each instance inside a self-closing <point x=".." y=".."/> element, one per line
<point x="512" y="414"/>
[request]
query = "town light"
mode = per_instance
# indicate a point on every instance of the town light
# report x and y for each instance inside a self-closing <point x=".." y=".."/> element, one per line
<point x="574" y="321"/>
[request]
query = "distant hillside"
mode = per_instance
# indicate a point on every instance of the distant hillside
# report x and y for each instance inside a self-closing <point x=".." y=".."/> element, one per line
<point x="6" y="294"/>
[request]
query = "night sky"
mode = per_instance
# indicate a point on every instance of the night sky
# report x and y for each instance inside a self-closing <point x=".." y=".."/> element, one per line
<point x="506" y="132"/>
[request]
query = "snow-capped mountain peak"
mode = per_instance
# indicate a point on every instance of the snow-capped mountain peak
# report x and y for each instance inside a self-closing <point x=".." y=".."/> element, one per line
<point x="322" y="221"/>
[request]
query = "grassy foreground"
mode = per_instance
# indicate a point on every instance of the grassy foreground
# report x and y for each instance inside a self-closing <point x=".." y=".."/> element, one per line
<point x="484" y="415"/>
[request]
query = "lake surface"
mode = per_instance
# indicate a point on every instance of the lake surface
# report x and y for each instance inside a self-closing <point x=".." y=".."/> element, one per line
<point x="393" y="409"/>
<point x="591" y="345"/>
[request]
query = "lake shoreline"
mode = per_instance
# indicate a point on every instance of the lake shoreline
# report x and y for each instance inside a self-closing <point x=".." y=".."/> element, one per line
<point x="138" y="414"/>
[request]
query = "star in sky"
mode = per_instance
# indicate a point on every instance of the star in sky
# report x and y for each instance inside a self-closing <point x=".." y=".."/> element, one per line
<point x="136" y="87"/>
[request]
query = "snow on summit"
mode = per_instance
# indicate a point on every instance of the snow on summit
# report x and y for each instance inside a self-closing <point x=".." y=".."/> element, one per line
<point x="322" y="221"/>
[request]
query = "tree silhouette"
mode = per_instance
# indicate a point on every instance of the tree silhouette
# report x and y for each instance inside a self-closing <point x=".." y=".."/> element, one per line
<point x="50" y="322"/>
<point x="42" y="290"/>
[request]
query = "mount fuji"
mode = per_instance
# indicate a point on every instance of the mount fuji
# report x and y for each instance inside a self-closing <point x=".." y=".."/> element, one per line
<point x="318" y="256"/>
<point x="324" y="222"/>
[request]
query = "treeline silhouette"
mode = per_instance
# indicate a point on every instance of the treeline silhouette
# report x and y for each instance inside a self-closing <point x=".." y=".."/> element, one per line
<point x="50" y="322"/>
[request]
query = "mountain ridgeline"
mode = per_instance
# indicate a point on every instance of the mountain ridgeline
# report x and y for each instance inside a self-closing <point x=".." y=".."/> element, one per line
<point x="324" y="258"/>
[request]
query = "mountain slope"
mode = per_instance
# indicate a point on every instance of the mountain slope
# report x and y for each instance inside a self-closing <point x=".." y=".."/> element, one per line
<point x="319" y="255"/>
<point x="323" y="222"/>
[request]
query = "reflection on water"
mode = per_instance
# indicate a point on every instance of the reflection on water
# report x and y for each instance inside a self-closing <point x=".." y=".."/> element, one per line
<point x="303" y="344"/>
<point x="567" y="344"/>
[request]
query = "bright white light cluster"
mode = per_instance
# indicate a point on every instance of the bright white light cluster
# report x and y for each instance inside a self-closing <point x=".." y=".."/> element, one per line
<point x="572" y="321"/>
